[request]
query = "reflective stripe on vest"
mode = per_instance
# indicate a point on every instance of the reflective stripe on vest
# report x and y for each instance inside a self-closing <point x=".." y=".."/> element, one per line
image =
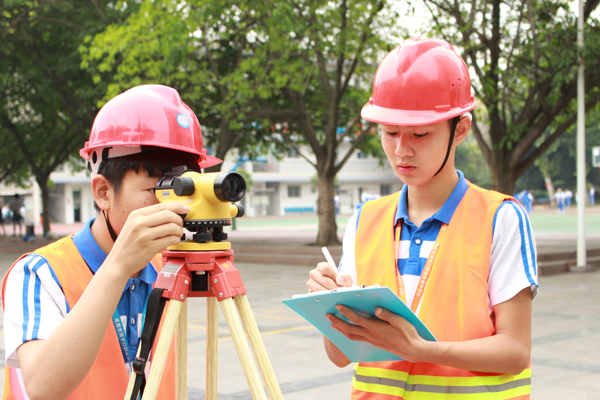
<point x="401" y="384"/>
<point x="459" y="276"/>
<point x="108" y="376"/>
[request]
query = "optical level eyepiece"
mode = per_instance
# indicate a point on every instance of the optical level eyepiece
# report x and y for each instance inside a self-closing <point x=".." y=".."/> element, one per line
<point x="183" y="186"/>
<point x="230" y="187"/>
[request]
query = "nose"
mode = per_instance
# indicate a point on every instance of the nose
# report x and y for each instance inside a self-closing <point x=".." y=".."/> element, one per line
<point x="403" y="146"/>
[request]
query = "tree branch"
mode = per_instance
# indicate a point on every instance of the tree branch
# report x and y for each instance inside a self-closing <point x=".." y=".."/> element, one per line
<point x="353" y="147"/>
<point x="321" y="64"/>
<point x="485" y="149"/>
<point x="305" y="123"/>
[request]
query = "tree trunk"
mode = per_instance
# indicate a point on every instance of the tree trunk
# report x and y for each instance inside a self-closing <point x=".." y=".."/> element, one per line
<point x="327" y="234"/>
<point x="503" y="177"/>
<point x="43" y="184"/>
<point x="550" y="188"/>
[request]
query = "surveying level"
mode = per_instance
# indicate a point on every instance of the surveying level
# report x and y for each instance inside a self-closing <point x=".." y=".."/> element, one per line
<point x="208" y="196"/>
<point x="201" y="266"/>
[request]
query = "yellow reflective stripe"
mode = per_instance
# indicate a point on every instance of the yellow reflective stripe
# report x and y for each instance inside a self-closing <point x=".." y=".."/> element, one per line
<point x="395" y="383"/>
<point x="376" y="388"/>
<point x="380" y="372"/>
<point x="467" y="380"/>
<point x="508" y="394"/>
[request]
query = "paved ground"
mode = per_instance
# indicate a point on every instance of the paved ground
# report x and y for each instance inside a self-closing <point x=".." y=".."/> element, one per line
<point x="566" y="330"/>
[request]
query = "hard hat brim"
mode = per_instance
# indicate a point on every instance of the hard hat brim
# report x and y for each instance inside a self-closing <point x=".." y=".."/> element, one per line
<point x="204" y="160"/>
<point x="209" y="161"/>
<point x="390" y="116"/>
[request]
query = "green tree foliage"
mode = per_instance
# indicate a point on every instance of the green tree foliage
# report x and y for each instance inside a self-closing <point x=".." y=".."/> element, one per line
<point x="249" y="66"/>
<point x="524" y="59"/>
<point x="206" y="50"/>
<point x="327" y="54"/>
<point x="48" y="103"/>
<point x="469" y="160"/>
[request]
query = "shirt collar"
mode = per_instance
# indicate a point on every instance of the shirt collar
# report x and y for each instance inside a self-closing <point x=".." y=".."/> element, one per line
<point x="94" y="256"/>
<point x="446" y="212"/>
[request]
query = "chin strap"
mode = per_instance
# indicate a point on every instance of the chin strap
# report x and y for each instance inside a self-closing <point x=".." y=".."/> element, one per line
<point x="452" y="132"/>
<point x="111" y="231"/>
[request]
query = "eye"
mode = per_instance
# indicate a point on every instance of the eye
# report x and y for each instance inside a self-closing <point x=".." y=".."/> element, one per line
<point x="421" y="135"/>
<point x="390" y="133"/>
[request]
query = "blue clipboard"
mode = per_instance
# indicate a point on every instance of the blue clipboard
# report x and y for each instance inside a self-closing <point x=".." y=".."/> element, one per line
<point x="363" y="300"/>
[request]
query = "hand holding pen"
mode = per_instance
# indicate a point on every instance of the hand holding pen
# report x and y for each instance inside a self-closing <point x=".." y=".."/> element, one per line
<point x="326" y="277"/>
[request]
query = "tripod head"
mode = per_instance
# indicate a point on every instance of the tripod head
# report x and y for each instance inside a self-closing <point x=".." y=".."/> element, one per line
<point x="209" y="197"/>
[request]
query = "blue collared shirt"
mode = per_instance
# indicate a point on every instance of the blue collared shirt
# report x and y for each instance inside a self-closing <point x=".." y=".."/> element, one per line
<point x="136" y="291"/>
<point x="426" y="234"/>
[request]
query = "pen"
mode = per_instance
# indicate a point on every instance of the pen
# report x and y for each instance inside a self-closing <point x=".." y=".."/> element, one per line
<point x="328" y="257"/>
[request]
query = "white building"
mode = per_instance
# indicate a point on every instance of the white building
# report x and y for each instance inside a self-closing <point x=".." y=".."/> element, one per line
<point x="289" y="186"/>
<point x="280" y="187"/>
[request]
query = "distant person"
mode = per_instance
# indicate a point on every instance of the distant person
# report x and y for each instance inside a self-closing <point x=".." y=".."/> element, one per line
<point x="364" y="197"/>
<point x="369" y="195"/>
<point x="568" y="198"/>
<point x="336" y="202"/>
<point x="531" y="198"/>
<point x="525" y="200"/>
<point x="2" y="205"/>
<point x="17" y="209"/>
<point x="559" y="196"/>
<point x="592" y="195"/>
<point x="373" y="195"/>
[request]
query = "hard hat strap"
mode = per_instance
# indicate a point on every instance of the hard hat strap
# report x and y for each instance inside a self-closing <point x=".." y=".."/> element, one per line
<point x="452" y="132"/>
<point x="111" y="231"/>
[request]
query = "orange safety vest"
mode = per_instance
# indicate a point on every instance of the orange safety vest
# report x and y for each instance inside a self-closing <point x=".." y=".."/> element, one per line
<point x="108" y="376"/>
<point x="454" y="304"/>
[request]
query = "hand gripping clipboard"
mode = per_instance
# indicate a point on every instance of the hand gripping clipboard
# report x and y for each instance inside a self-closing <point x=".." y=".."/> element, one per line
<point x="363" y="300"/>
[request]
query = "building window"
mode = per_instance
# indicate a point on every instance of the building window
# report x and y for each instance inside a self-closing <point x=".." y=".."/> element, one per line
<point x="385" y="190"/>
<point x="293" y="191"/>
<point x="77" y="205"/>
<point x="292" y="153"/>
<point x="360" y="154"/>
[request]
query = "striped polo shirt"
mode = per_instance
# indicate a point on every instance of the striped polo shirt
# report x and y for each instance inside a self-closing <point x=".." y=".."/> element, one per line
<point x="38" y="304"/>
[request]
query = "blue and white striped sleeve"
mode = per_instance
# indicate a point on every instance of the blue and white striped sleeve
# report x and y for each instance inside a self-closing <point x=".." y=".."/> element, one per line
<point x="34" y="305"/>
<point x="513" y="263"/>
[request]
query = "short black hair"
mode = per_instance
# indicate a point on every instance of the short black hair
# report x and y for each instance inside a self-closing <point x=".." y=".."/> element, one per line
<point x="155" y="162"/>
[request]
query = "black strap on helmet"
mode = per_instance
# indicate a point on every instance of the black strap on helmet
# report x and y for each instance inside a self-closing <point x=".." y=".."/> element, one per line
<point x="111" y="231"/>
<point x="452" y="132"/>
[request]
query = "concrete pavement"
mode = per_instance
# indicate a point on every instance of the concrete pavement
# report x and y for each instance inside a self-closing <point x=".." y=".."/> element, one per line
<point x="566" y="332"/>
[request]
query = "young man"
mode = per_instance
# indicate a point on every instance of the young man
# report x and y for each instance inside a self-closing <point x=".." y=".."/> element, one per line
<point x="74" y="309"/>
<point x="463" y="258"/>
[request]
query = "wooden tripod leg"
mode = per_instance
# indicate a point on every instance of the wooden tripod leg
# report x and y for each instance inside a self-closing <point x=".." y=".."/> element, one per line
<point x="212" y="350"/>
<point x="132" y="376"/>
<point x="162" y="349"/>
<point x="182" y="352"/>
<point x="260" y="353"/>
<point x="239" y="339"/>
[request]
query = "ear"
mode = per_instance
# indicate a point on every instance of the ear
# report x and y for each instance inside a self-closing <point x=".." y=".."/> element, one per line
<point x="102" y="191"/>
<point x="462" y="129"/>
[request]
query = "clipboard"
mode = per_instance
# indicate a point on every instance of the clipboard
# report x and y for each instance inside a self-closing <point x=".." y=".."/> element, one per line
<point x="363" y="300"/>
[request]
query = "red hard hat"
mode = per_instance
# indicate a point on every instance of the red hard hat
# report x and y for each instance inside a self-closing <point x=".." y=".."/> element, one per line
<point x="422" y="82"/>
<point x="147" y="115"/>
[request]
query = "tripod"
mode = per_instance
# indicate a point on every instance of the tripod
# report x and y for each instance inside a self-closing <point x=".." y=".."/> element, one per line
<point x="207" y="270"/>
